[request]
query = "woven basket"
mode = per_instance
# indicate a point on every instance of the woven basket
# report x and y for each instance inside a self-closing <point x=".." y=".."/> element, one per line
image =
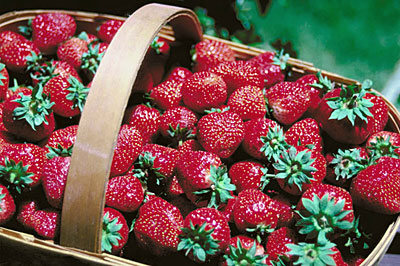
<point x="80" y="232"/>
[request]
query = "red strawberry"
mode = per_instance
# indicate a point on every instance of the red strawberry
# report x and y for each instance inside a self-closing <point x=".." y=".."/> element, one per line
<point x="72" y="51"/>
<point x="276" y="244"/>
<point x="383" y="143"/>
<point x="254" y="131"/>
<point x="325" y="212"/>
<point x="25" y="214"/>
<point x="160" y="46"/>
<point x="167" y="94"/>
<point x="173" y="188"/>
<point x="255" y="212"/>
<point x="205" y="233"/>
<point x="15" y="54"/>
<point x="21" y="166"/>
<point x="128" y="147"/>
<point x="115" y="231"/>
<point x="189" y="145"/>
<point x="248" y="102"/>
<point x="158" y="226"/>
<point x="4" y="80"/>
<point x="288" y="101"/>
<point x="7" y="205"/>
<point x="247" y="174"/>
<point x="51" y="29"/>
<point x="178" y="123"/>
<point x="89" y="38"/>
<point x="286" y="213"/>
<point x="146" y="120"/>
<point x="237" y="74"/>
<point x="179" y="74"/>
<point x="16" y="89"/>
<point x="350" y="115"/>
<point x="204" y="90"/>
<point x="377" y="187"/>
<point x="29" y="116"/>
<point x="203" y="178"/>
<point x="227" y="208"/>
<point x="46" y="223"/>
<point x="61" y="142"/>
<point x="10" y="36"/>
<point x="220" y="132"/>
<point x="316" y="254"/>
<point x="209" y="53"/>
<point x="305" y="133"/>
<point x="244" y="250"/>
<point x="108" y="29"/>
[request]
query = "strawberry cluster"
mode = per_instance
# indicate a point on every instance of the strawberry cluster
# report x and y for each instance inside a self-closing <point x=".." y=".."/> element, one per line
<point x="221" y="161"/>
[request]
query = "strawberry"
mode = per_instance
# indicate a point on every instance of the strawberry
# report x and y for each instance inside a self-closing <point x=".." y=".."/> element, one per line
<point x="316" y="254"/>
<point x="325" y="211"/>
<point x="158" y="226"/>
<point x="305" y="133"/>
<point x="247" y="174"/>
<point x="299" y="168"/>
<point x="349" y="115"/>
<point x="10" y="36"/>
<point x="254" y="132"/>
<point x="179" y="74"/>
<point x="115" y="231"/>
<point x="51" y="29"/>
<point x="209" y="53"/>
<point x="15" y="54"/>
<point x="53" y="68"/>
<point x="68" y="94"/>
<point x="203" y="90"/>
<point x="248" y="102"/>
<point x="377" y="187"/>
<point x="286" y="213"/>
<point x="7" y="205"/>
<point x="238" y="74"/>
<point x="4" y="80"/>
<point x="189" y="145"/>
<point x="205" y="233"/>
<point x="46" y="223"/>
<point x="61" y="142"/>
<point x="220" y="132"/>
<point x="173" y="189"/>
<point x="203" y="178"/>
<point x="128" y="147"/>
<point x="255" y="212"/>
<point x="108" y="29"/>
<point x="156" y="58"/>
<point x="160" y="46"/>
<point x="25" y="214"/>
<point x="276" y="244"/>
<point x="29" y="116"/>
<point x="167" y="94"/>
<point x="383" y="143"/>
<point x="16" y="89"/>
<point x="72" y="51"/>
<point x="21" y="166"/>
<point x="244" y="250"/>
<point x="146" y="120"/>
<point x="178" y="123"/>
<point x="288" y="101"/>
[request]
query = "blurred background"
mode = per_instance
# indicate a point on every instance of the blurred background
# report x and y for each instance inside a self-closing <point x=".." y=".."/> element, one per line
<point x="358" y="39"/>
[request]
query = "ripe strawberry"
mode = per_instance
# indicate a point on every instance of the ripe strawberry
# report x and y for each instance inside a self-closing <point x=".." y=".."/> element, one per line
<point x="179" y="74"/>
<point x="146" y="120"/>
<point x="25" y="214"/>
<point x="205" y="234"/>
<point x="209" y="53"/>
<point x="158" y="226"/>
<point x="254" y="132"/>
<point x="288" y="101"/>
<point x="299" y="168"/>
<point x="237" y="74"/>
<point x="72" y="51"/>
<point x="247" y="174"/>
<point x="305" y="133"/>
<point x="383" y="143"/>
<point x="178" y="123"/>
<point x="46" y="223"/>
<point x="167" y="94"/>
<point x="115" y="231"/>
<point x="316" y="254"/>
<point x="255" y="212"/>
<point x="7" y="205"/>
<point x="51" y="29"/>
<point x="248" y="102"/>
<point x="4" y="80"/>
<point x="29" y="116"/>
<point x="68" y="94"/>
<point x="128" y="147"/>
<point x="173" y="189"/>
<point x="53" y="68"/>
<point x="220" y="132"/>
<point x="10" y="36"/>
<point x="15" y="54"/>
<point x="204" y="90"/>
<point x="61" y="142"/>
<point x="276" y="244"/>
<point x="160" y="46"/>
<point x="286" y="213"/>
<point x="108" y="29"/>
<point x="203" y="178"/>
<point x="350" y="115"/>
<point x="189" y="145"/>
<point x="244" y="250"/>
<point x="377" y="187"/>
<point x="325" y="211"/>
<point x="16" y="89"/>
<point x="21" y="166"/>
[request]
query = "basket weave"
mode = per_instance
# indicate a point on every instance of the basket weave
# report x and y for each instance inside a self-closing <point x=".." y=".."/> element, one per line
<point x="91" y="160"/>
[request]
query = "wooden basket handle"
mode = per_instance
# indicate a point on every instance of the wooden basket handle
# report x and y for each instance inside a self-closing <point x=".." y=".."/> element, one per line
<point x="82" y="212"/>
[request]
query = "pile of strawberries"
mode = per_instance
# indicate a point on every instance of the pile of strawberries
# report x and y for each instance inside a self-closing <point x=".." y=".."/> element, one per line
<point x="223" y="161"/>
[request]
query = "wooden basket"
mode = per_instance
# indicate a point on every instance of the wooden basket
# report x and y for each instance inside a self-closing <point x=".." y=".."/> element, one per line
<point x="80" y="235"/>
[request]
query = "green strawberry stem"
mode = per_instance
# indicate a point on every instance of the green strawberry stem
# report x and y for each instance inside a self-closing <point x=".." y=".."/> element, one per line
<point x="199" y="241"/>
<point x="91" y="59"/>
<point x="59" y="151"/>
<point x="274" y="143"/>
<point x="356" y="239"/>
<point x="281" y="59"/>
<point x="15" y="175"/>
<point x="78" y="93"/>
<point x="44" y="72"/>
<point x="111" y="233"/>
<point x="322" y="217"/>
<point x="220" y="189"/>
<point x="149" y="176"/>
<point x="180" y="134"/>
<point x="241" y="256"/>
<point x="34" y="62"/>
<point x="323" y="83"/>
<point x="312" y="254"/>
<point x="348" y="163"/>
<point x="2" y="196"/>
<point x="156" y="44"/>
<point x="382" y="147"/>
<point x="2" y="66"/>
<point x="26" y="30"/>
<point x="260" y="231"/>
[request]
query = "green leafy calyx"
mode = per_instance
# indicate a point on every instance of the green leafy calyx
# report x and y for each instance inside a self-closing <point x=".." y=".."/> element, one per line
<point x="15" y="175"/>
<point x="111" y="233"/>
<point x="242" y="256"/>
<point x="59" y="151"/>
<point x="92" y="58"/>
<point x="348" y="163"/>
<point x="311" y="254"/>
<point x="78" y="93"/>
<point x="274" y="143"/>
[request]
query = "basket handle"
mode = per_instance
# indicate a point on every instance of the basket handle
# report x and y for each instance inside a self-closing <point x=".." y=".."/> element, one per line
<point x="84" y="198"/>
